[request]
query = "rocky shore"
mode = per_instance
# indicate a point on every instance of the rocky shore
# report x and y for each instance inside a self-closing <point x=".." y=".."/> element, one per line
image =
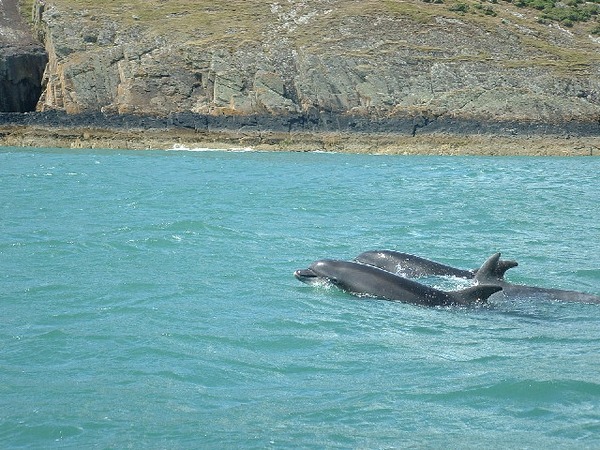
<point x="295" y="134"/>
<point x="456" y="77"/>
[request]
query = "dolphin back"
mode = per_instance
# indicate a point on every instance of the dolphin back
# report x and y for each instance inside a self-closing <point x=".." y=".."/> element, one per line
<point x="409" y="265"/>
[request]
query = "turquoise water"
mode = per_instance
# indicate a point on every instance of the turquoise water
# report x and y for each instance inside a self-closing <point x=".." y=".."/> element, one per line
<point x="148" y="302"/>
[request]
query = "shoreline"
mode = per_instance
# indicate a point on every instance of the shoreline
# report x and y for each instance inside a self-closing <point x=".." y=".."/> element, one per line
<point x="298" y="141"/>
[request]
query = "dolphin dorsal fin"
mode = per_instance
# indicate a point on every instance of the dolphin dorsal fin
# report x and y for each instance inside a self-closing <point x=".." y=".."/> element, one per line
<point x="503" y="266"/>
<point x="492" y="269"/>
<point x="475" y="294"/>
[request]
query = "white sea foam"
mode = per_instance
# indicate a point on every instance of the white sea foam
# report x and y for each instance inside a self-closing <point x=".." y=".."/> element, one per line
<point x="180" y="147"/>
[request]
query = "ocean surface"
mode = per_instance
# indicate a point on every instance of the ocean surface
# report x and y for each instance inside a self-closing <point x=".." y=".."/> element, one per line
<point x="148" y="301"/>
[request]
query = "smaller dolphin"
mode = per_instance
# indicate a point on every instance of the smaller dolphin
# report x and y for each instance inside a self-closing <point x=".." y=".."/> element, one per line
<point x="491" y="273"/>
<point x="412" y="266"/>
<point x="362" y="279"/>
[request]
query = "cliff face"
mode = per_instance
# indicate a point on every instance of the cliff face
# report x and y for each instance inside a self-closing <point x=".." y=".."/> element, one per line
<point x="364" y="58"/>
<point x="22" y="62"/>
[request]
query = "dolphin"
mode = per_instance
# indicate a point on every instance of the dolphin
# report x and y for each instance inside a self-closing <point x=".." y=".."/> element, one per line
<point x="412" y="266"/>
<point x="361" y="279"/>
<point x="489" y="273"/>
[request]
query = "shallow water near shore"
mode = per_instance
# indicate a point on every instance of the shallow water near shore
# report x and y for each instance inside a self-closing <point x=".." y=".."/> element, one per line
<point x="148" y="301"/>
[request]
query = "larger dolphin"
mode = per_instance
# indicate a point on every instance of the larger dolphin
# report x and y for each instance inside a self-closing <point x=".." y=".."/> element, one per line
<point x="363" y="279"/>
<point x="413" y="266"/>
<point x="488" y="273"/>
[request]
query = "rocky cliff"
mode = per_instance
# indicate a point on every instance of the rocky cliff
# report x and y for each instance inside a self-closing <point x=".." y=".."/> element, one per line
<point x="22" y="62"/>
<point x="379" y="60"/>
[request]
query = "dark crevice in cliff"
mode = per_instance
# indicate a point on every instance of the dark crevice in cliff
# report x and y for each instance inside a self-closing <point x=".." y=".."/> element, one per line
<point x="21" y="71"/>
<point x="22" y="62"/>
<point x="420" y="122"/>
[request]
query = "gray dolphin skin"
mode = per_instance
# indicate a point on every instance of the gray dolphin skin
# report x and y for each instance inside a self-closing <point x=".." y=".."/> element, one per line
<point x="362" y="279"/>
<point x="413" y="266"/>
<point x="488" y="273"/>
<point x="408" y="265"/>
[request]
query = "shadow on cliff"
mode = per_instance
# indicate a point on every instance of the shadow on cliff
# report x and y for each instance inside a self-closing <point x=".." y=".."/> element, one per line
<point x="22" y="62"/>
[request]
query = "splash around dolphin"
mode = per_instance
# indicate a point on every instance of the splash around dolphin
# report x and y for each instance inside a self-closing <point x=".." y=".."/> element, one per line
<point x="364" y="280"/>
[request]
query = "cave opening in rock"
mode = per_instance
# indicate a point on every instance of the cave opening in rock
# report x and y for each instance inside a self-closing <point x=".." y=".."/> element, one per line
<point x="21" y="73"/>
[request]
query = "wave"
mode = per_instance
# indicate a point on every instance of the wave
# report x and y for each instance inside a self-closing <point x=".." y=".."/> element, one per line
<point x="522" y="391"/>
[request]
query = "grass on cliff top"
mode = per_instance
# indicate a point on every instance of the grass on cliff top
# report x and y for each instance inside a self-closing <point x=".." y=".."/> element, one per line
<point x="231" y="23"/>
<point x="566" y="11"/>
<point x="212" y="19"/>
<point x="216" y="17"/>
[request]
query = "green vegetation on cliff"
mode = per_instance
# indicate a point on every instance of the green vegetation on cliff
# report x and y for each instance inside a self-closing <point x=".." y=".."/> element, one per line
<point x="236" y="23"/>
<point x="243" y="13"/>
<point x="566" y="12"/>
